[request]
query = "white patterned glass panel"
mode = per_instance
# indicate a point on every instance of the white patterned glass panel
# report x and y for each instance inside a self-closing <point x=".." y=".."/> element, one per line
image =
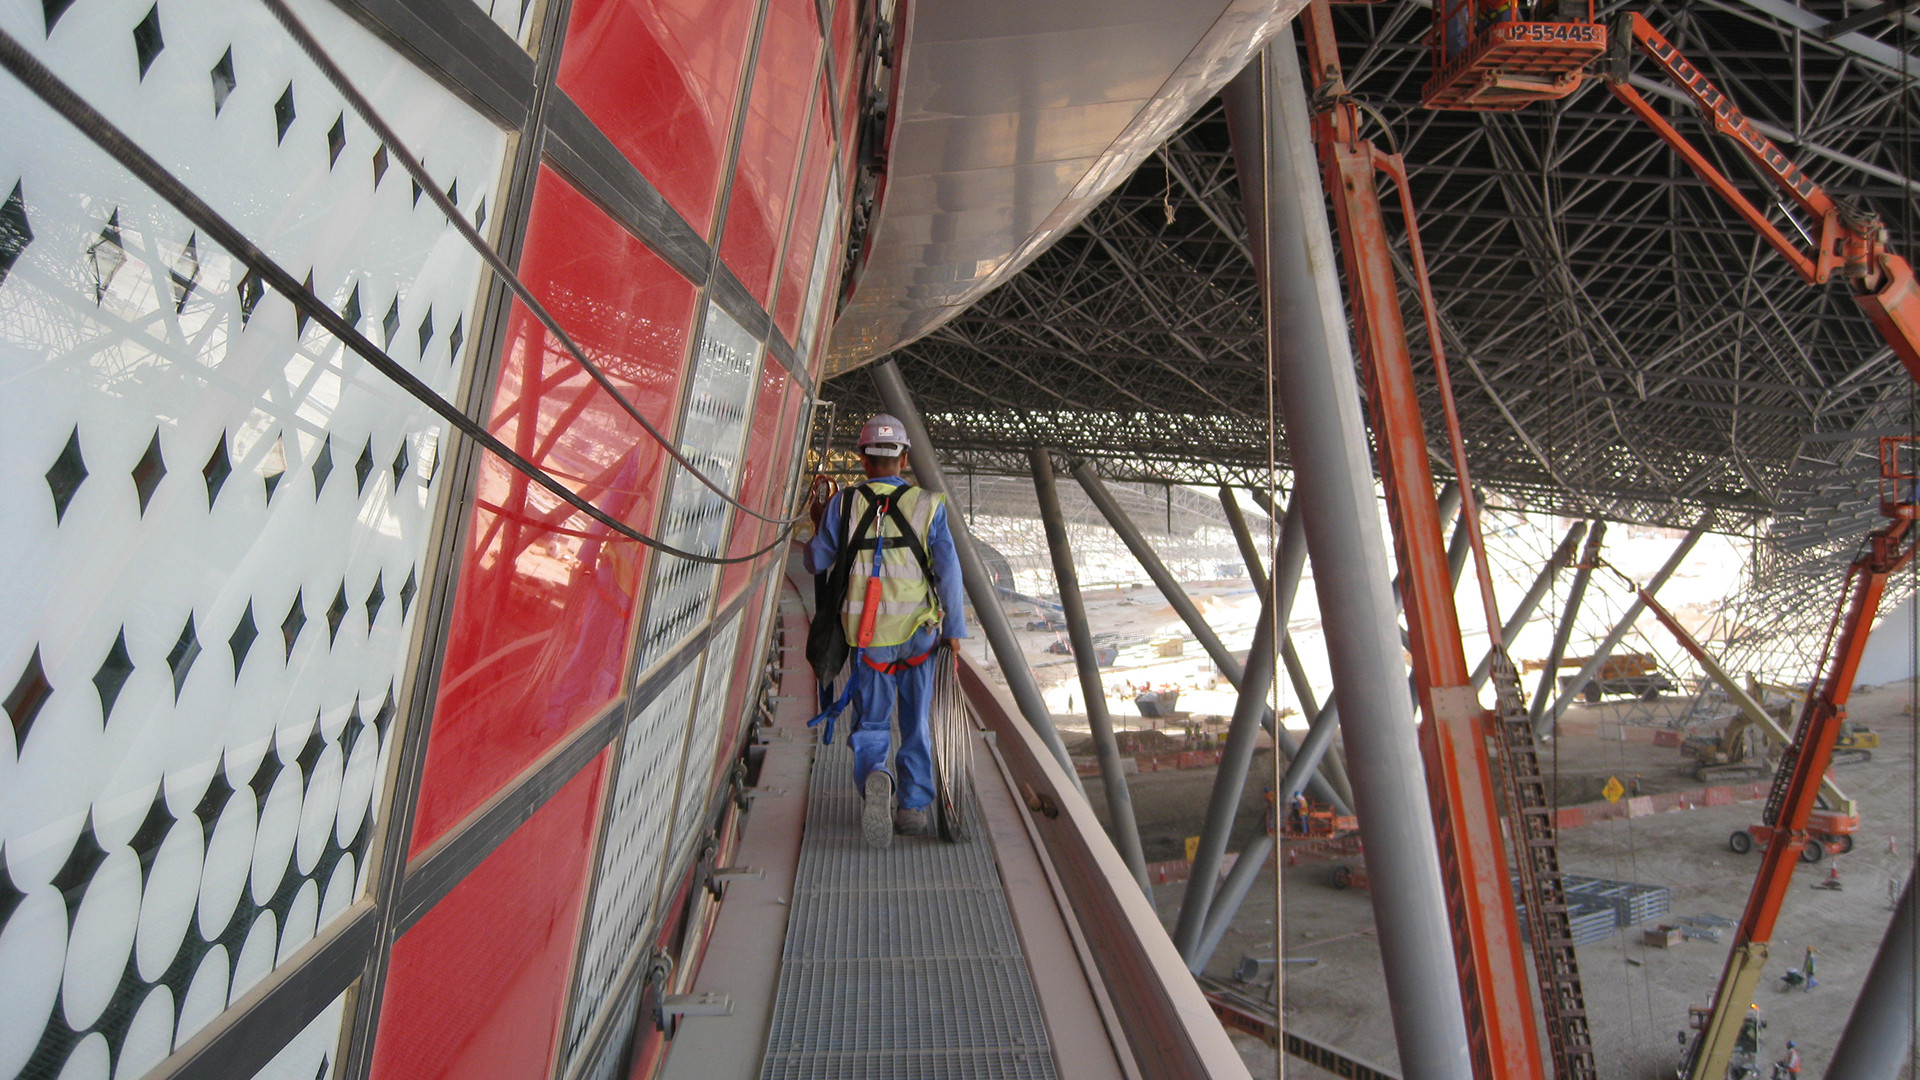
<point x="217" y="521"/>
<point x="631" y="856"/>
<point x="824" y="251"/>
<point x="726" y="367"/>
<point x="709" y="714"/>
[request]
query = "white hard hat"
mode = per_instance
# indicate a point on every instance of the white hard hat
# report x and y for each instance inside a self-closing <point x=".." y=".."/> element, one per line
<point x="883" y="436"/>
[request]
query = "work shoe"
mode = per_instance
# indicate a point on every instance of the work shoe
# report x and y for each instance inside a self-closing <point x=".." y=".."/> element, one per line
<point x="910" y="822"/>
<point x="876" y="828"/>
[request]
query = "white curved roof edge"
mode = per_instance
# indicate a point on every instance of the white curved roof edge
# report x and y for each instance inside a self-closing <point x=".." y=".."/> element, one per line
<point x="1014" y="120"/>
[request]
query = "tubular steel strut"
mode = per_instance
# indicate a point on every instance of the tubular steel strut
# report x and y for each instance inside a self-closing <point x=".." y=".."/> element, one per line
<point x="1454" y="738"/>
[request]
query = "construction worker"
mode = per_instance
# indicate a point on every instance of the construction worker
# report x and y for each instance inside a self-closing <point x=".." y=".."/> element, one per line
<point x="1806" y="971"/>
<point x="1790" y="1065"/>
<point x="915" y="602"/>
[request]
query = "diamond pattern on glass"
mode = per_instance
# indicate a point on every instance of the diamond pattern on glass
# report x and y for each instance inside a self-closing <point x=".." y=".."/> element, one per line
<point x="283" y="113"/>
<point x="181" y="657"/>
<point x="363" y="467"/>
<point x="295" y="621"/>
<point x="52" y="10"/>
<point x="148" y="472"/>
<point x="241" y="640"/>
<point x="217" y="469"/>
<point x="375" y="598"/>
<point x="336" y="140"/>
<point x="250" y="291"/>
<point x="106" y="256"/>
<point x="223" y="80"/>
<point x="65" y="475"/>
<point x="351" y="312"/>
<point x="147" y="41"/>
<point x="29" y="693"/>
<point x="15" y="233"/>
<point x="322" y="466"/>
<point x="185" y="273"/>
<point x="112" y="675"/>
<point x="336" y="611"/>
<point x="152" y="352"/>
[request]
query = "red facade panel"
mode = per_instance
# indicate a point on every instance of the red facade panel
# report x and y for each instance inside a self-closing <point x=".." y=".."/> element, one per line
<point x="541" y="624"/>
<point x="662" y="78"/>
<point x="803" y="235"/>
<point x="476" y="988"/>
<point x="776" y="117"/>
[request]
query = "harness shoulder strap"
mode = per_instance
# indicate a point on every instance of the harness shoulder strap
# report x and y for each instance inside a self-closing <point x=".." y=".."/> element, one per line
<point x="915" y="545"/>
<point x="843" y="565"/>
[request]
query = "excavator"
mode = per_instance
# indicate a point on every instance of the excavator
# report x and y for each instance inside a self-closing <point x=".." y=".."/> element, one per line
<point x="1506" y="54"/>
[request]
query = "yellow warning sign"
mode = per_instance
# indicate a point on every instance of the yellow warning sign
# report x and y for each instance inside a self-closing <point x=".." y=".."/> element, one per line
<point x="1614" y="789"/>
<point x="1193" y="847"/>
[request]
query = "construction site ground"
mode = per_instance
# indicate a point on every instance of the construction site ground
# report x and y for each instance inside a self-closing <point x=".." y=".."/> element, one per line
<point x="1637" y="994"/>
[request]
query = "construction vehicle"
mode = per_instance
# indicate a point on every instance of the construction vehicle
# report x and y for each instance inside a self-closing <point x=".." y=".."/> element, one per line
<point x="1637" y="674"/>
<point x="1828" y="832"/>
<point x="1315" y="830"/>
<point x="1744" y="750"/>
<point x="1852" y="736"/>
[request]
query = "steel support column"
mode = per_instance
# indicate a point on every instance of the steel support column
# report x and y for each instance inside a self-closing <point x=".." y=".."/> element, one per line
<point x="1176" y="596"/>
<point x="1233" y="891"/>
<point x="1120" y="819"/>
<point x="986" y="602"/>
<point x="1291" y="561"/>
<point x="1599" y="658"/>
<point x="1589" y="558"/>
<point x="1243" y="537"/>
<point x="1879" y="1033"/>
<point x="1235" y="759"/>
<point x="1327" y="442"/>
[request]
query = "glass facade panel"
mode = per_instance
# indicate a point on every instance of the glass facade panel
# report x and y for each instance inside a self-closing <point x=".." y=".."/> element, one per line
<point x="718" y="408"/>
<point x="547" y="595"/>
<point x="218" y="519"/>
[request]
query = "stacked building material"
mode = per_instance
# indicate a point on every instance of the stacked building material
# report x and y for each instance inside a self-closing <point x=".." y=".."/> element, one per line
<point x="1632" y="903"/>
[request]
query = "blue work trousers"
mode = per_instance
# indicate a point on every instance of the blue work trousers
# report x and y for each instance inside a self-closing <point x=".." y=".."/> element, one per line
<point x="872" y="736"/>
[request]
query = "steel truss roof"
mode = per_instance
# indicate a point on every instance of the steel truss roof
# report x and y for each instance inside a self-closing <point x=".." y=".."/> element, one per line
<point x="1621" y="342"/>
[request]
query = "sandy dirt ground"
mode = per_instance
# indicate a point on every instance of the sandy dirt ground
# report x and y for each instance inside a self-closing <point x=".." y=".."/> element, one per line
<point x="1637" y="995"/>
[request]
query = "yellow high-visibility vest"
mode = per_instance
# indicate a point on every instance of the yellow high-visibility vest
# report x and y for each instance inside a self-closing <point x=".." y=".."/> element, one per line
<point x="907" y="598"/>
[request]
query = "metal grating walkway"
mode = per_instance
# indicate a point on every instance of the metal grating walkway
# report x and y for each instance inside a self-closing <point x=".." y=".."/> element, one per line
<point x="900" y="964"/>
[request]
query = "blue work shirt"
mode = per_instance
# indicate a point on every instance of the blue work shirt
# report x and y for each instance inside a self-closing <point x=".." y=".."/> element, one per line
<point x="825" y="547"/>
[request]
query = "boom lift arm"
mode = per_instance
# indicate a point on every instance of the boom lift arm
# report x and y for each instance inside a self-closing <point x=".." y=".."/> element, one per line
<point x="1803" y="765"/>
<point x="1848" y="240"/>
<point x="1503" y="1040"/>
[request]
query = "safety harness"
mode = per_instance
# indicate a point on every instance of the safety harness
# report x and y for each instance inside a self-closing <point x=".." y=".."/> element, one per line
<point x="884" y="505"/>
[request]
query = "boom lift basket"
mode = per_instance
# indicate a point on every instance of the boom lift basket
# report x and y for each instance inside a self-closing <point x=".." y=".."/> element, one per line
<point x="1486" y="57"/>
